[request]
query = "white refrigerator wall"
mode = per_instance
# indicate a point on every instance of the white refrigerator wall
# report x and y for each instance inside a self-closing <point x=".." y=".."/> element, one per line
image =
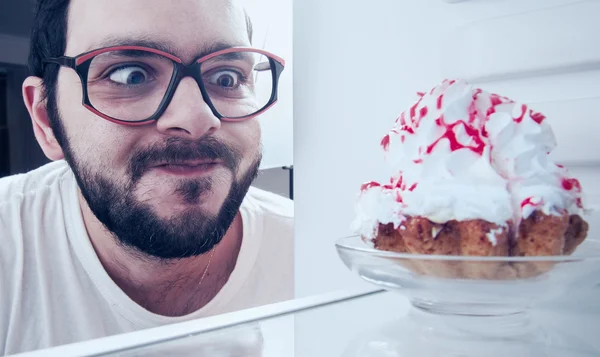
<point x="358" y="65"/>
<point x="273" y="31"/>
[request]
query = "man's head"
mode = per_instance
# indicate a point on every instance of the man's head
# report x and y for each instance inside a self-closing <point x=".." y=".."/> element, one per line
<point x="169" y="189"/>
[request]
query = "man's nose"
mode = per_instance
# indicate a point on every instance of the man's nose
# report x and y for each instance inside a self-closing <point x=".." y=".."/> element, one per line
<point x="188" y="115"/>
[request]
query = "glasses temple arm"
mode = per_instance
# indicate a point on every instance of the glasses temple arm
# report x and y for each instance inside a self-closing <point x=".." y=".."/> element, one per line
<point x="63" y="61"/>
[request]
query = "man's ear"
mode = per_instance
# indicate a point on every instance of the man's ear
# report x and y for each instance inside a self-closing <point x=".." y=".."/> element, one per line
<point x="33" y="95"/>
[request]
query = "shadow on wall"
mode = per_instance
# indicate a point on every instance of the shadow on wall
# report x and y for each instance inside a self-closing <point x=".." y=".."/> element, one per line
<point x="19" y="150"/>
<point x="279" y="180"/>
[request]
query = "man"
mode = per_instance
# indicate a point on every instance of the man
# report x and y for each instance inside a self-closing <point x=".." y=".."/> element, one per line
<point x="149" y="219"/>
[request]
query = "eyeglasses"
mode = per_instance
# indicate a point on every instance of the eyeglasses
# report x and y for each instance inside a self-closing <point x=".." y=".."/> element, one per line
<point x="133" y="85"/>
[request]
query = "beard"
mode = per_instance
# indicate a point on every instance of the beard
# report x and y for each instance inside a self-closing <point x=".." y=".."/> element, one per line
<point x="134" y="224"/>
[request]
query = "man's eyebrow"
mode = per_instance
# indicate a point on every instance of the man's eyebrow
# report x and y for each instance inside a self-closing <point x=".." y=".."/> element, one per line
<point x="214" y="47"/>
<point x="163" y="46"/>
<point x="133" y="41"/>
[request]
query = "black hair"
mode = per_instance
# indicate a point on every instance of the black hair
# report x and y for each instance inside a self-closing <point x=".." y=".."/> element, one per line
<point x="49" y="39"/>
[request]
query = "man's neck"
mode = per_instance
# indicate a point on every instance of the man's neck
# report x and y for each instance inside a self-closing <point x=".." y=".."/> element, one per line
<point x="169" y="288"/>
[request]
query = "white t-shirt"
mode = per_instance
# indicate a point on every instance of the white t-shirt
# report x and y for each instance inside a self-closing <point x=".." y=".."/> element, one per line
<point x="54" y="290"/>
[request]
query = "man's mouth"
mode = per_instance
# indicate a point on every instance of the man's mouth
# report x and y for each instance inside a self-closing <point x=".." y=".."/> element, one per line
<point x="187" y="168"/>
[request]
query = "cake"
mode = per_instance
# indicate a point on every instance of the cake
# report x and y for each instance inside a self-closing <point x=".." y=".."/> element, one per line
<point x="471" y="175"/>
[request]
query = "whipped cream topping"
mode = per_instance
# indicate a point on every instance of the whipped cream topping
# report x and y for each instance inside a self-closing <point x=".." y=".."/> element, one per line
<point x="461" y="153"/>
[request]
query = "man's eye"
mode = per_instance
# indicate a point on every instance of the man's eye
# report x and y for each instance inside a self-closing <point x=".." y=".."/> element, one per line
<point x="130" y="75"/>
<point x="225" y="79"/>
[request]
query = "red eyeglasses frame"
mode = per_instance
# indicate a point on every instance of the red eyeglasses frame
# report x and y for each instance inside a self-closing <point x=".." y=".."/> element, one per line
<point x="81" y="64"/>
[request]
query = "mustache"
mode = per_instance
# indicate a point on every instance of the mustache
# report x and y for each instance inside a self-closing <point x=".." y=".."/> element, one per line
<point x="178" y="150"/>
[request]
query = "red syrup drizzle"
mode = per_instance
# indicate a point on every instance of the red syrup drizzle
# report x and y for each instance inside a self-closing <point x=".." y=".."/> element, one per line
<point x="440" y="101"/>
<point x="520" y="117"/>
<point x="528" y="201"/>
<point x="408" y="129"/>
<point x="496" y="100"/>
<point x="413" y="112"/>
<point x="569" y="184"/>
<point x="398" y="197"/>
<point x="538" y="117"/>
<point x="389" y="186"/>
<point x="368" y="185"/>
<point x="450" y="135"/>
<point x="399" y="184"/>
<point x="385" y="142"/>
<point x="472" y="112"/>
<point x="401" y="119"/>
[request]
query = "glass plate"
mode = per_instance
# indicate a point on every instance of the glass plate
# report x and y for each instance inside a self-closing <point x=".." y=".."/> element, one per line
<point x="478" y="298"/>
<point x="423" y="338"/>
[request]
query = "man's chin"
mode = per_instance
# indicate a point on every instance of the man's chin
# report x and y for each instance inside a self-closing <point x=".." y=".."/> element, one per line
<point x="188" y="233"/>
<point x="169" y="205"/>
<point x="185" y="211"/>
<point x="172" y="220"/>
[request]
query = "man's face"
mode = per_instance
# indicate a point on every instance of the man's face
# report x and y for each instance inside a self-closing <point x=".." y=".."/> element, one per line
<point x="167" y="211"/>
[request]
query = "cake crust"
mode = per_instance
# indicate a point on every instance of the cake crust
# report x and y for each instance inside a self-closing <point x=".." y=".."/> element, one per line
<point x="538" y="235"/>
